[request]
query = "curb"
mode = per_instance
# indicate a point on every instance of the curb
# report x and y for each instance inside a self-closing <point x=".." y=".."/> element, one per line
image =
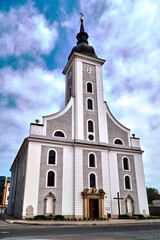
<point x="87" y="223"/>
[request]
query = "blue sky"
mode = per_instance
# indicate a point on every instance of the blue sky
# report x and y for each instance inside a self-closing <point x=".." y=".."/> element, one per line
<point x="35" y="41"/>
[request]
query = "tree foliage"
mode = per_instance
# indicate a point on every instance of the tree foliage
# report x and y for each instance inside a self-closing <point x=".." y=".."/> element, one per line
<point x="152" y="194"/>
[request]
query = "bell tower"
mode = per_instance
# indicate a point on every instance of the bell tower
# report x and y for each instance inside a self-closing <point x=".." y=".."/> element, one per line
<point x="84" y="83"/>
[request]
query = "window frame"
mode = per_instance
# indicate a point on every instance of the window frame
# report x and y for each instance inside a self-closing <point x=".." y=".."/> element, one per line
<point x="130" y="179"/>
<point x="87" y="87"/>
<point x="51" y="149"/>
<point x="95" y="159"/>
<point x="91" y="133"/>
<point x="117" y="143"/>
<point x="90" y="120"/>
<point x="87" y="104"/>
<point x="129" y="168"/>
<point x="96" y="183"/>
<point x="55" y="177"/>
<point x="59" y="130"/>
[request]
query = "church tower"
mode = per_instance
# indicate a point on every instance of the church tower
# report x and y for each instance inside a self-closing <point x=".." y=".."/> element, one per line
<point x="80" y="162"/>
<point x="84" y="82"/>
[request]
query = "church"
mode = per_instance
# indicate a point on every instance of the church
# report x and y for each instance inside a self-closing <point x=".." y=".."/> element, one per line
<point x="80" y="162"/>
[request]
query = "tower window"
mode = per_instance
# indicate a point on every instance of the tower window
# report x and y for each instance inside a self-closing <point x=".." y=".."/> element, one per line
<point x="90" y="126"/>
<point x="125" y="163"/>
<point x="92" y="179"/>
<point x="89" y="104"/>
<point x="90" y="130"/>
<point x="59" y="134"/>
<point x="118" y="141"/>
<point x="127" y="181"/>
<point x="89" y="87"/>
<point x="51" y="179"/>
<point x="70" y="91"/>
<point x="52" y="157"/>
<point x="92" y="162"/>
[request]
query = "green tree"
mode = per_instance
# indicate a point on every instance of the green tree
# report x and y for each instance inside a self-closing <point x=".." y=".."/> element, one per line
<point x="152" y="194"/>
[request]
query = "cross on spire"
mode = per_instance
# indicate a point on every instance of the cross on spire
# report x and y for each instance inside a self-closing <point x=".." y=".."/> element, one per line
<point x="81" y="14"/>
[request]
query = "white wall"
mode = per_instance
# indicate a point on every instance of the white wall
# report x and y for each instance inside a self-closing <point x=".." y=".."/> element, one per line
<point x="32" y="177"/>
<point x="102" y="119"/>
<point x="79" y="125"/>
<point x="135" y="142"/>
<point x="114" y="180"/>
<point x="68" y="181"/>
<point x="7" y="193"/>
<point x="141" y="185"/>
<point x="78" y="181"/>
<point x="106" y="182"/>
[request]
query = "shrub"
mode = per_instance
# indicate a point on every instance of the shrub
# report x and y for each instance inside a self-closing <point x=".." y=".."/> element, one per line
<point x="59" y="217"/>
<point x="124" y="216"/>
<point x="140" y="216"/>
<point x="40" y="217"/>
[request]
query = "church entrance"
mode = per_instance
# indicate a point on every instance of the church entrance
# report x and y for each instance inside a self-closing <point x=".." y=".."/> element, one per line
<point x="93" y="208"/>
<point x="93" y="203"/>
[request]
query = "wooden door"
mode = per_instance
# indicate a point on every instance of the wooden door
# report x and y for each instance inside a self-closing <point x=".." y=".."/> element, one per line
<point x="91" y="208"/>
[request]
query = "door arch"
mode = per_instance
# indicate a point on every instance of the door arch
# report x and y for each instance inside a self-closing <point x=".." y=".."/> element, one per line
<point x="129" y="205"/>
<point x="49" y="204"/>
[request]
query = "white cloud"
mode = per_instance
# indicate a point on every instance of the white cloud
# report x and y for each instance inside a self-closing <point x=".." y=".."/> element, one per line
<point x="30" y="86"/>
<point x="25" y="30"/>
<point x="36" y="92"/>
<point x="69" y="21"/>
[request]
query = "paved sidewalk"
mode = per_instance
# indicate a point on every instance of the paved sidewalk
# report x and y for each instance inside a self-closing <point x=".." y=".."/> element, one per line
<point x="10" y="219"/>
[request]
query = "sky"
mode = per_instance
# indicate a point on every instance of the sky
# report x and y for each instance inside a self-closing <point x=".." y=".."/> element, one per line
<point x="36" y="38"/>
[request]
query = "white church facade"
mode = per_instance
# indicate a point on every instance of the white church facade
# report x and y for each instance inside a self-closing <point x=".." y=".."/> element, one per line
<point x="78" y="160"/>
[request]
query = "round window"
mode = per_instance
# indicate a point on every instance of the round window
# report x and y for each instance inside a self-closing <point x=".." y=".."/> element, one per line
<point x="91" y="137"/>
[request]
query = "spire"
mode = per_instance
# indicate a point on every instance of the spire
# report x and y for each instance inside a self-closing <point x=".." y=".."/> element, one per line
<point x="81" y="27"/>
<point x="82" y="44"/>
<point x="82" y="36"/>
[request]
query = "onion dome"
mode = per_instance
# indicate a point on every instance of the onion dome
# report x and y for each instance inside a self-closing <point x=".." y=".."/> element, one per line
<point x="82" y="44"/>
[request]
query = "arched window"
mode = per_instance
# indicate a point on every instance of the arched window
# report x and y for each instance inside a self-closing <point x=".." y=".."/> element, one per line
<point x="51" y="179"/>
<point x="70" y="91"/>
<point x="90" y="126"/>
<point x="89" y="87"/>
<point x="118" y="141"/>
<point x="125" y="163"/>
<point x="59" y="134"/>
<point x="127" y="181"/>
<point x="90" y="104"/>
<point x="52" y="157"/>
<point x="92" y="162"/>
<point x="92" y="179"/>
